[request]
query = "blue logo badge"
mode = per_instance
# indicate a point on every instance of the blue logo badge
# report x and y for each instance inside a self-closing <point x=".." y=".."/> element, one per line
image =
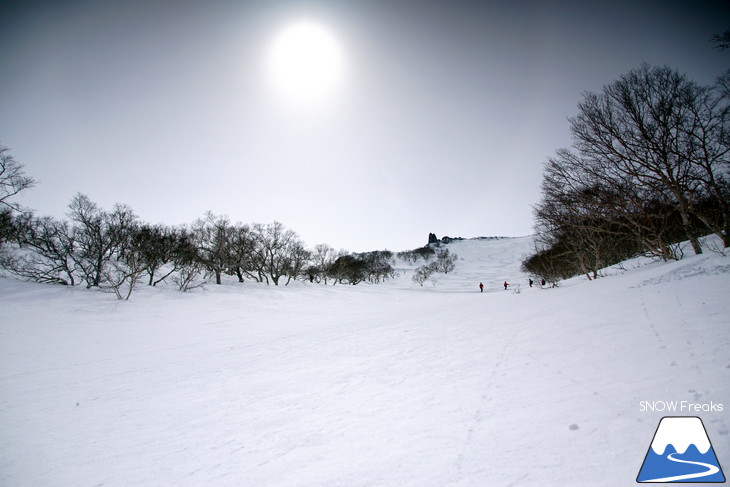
<point x="680" y="452"/>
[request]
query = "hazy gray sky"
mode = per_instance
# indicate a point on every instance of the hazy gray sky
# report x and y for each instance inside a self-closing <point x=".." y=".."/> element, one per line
<point x="441" y="122"/>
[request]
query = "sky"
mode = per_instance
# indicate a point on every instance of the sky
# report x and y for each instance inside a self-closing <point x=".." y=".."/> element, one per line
<point x="440" y="118"/>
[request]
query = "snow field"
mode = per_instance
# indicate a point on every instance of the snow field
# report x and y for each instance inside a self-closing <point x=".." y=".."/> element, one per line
<point x="381" y="385"/>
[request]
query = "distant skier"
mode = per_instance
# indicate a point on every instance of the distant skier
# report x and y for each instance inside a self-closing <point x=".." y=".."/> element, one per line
<point x="530" y="282"/>
<point x="481" y="287"/>
<point x="542" y="283"/>
<point x="505" y="285"/>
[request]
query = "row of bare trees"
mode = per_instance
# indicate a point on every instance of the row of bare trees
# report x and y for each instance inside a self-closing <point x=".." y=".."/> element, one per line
<point x="115" y="251"/>
<point x="111" y="250"/>
<point x="649" y="167"/>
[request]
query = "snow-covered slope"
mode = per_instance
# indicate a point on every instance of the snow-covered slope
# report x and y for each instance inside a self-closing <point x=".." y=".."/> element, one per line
<point x="489" y="261"/>
<point x="394" y="384"/>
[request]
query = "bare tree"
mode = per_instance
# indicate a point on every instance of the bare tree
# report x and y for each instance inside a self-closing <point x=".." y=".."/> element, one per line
<point x="122" y="274"/>
<point x="188" y="277"/>
<point x="13" y="180"/>
<point x="633" y="133"/>
<point x="706" y="143"/>
<point x="241" y="250"/>
<point x="189" y="268"/>
<point x="421" y="274"/>
<point x="7" y="225"/>
<point x="98" y="235"/>
<point x="156" y="246"/>
<point x="590" y="209"/>
<point x="298" y="258"/>
<point x="649" y="167"/>
<point x="46" y="254"/>
<point x="348" y="268"/>
<point x="323" y="258"/>
<point x="278" y="251"/>
<point x="721" y="41"/>
<point x="212" y="236"/>
<point x="377" y="265"/>
<point x="445" y="261"/>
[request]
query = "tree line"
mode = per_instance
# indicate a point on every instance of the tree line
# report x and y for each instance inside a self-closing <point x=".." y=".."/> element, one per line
<point x="114" y="251"/>
<point x="649" y="167"/>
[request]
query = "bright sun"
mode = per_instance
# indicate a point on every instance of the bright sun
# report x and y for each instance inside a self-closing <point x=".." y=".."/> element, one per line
<point x="305" y="63"/>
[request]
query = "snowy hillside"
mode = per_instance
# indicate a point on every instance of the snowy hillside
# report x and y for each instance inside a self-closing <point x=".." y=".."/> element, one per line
<point x="490" y="261"/>
<point x="368" y="385"/>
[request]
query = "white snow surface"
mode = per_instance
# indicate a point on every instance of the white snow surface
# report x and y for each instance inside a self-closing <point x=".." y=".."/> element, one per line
<point x="369" y="385"/>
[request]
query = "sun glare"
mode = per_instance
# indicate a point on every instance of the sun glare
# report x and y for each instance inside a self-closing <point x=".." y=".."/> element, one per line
<point x="305" y="63"/>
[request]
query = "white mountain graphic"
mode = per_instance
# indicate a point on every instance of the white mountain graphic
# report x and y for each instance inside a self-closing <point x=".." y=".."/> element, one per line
<point x="680" y="432"/>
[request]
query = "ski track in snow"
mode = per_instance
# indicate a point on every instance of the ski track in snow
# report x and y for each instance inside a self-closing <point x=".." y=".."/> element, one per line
<point x="393" y="384"/>
<point x="711" y="470"/>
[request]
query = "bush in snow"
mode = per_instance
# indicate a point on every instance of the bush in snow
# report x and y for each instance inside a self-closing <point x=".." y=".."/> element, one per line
<point x="421" y="274"/>
<point x="121" y="275"/>
<point x="445" y="261"/>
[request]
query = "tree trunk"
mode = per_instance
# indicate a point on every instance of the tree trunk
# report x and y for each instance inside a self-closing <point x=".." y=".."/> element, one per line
<point x="688" y="228"/>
